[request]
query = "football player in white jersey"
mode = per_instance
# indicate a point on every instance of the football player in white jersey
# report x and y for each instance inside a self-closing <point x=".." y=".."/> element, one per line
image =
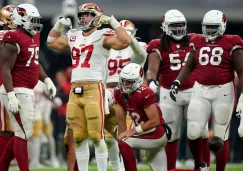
<point x="43" y="124"/>
<point x="89" y="50"/>
<point x="118" y="59"/>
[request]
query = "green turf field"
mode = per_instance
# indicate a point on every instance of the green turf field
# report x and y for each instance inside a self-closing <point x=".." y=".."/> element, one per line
<point x="230" y="167"/>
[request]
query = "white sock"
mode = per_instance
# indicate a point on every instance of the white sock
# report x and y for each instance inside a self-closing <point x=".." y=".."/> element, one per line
<point x="35" y="152"/>
<point x="157" y="159"/>
<point x="82" y="155"/>
<point x="101" y="155"/>
<point x="114" y="154"/>
<point x="52" y="148"/>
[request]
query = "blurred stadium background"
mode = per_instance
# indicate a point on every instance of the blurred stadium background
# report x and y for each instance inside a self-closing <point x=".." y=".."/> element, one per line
<point x="146" y="15"/>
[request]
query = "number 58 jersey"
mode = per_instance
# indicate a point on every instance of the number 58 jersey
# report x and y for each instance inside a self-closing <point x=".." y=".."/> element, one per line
<point x="214" y="58"/>
<point x="89" y="57"/>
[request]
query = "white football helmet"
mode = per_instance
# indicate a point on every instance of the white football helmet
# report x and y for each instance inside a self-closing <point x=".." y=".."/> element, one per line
<point x="28" y="17"/>
<point x="129" y="26"/>
<point x="174" y="24"/>
<point x="214" y="24"/>
<point x="131" y="78"/>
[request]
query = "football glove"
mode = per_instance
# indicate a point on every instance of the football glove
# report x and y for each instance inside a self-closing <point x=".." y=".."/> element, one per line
<point x="174" y="89"/>
<point x="13" y="103"/>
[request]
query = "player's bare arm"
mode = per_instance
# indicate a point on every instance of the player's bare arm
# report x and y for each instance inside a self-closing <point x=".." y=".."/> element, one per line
<point x="55" y="40"/>
<point x="237" y="57"/>
<point x="8" y="56"/>
<point x="153" y="116"/>
<point x="153" y="69"/>
<point x="119" y="41"/>
<point x="153" y="66"/>
<point x="188" y="68"/>
<point x="42" y="74"/>
<point x="122" y="126"/>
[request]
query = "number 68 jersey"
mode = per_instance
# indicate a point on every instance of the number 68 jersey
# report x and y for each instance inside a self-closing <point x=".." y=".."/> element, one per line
<point x="213" y="58"/>
<point x="89" y="57"/>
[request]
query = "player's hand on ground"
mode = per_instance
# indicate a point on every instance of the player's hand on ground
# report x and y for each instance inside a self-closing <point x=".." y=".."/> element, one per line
<point x="50" y="88"/>
<point x="128" y="133"/>
<point x="13" y="103"/>
<point x="174" y="89"/>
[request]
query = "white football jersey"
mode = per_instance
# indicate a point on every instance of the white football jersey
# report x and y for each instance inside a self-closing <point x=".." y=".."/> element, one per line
<point x="89" y="57"/>
<point x="40" y="99"/>
<point x="118" y="59"/>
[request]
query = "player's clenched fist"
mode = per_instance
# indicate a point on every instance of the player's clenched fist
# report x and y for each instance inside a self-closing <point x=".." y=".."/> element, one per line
<point x="13" y="103"/>
<point x="50" y="88"/>
<point x="174" y="89"/>
<point x="103" y="19"/>
<point x="61" y="22"/>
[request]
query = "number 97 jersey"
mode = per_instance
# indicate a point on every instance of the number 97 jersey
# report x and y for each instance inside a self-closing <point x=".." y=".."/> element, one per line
<point x="214" y="58"/>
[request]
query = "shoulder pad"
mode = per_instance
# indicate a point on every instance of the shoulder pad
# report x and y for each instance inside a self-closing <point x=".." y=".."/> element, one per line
<point x="11" y="36"/>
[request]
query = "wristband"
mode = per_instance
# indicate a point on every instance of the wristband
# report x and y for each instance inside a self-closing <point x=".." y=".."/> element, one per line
<point x="139" y="129"/>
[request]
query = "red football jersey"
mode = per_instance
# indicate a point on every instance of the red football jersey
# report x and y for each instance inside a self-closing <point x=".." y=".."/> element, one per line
<point x="171" y="62"/>
<point x="25" y="72"/>
<point x="140" y="99"/>
<point x="2" y="32"/>
<point x="214" y="62"/>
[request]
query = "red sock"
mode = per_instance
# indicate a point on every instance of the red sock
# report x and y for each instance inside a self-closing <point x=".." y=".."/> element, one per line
<point x="171" y="153"/>
<point x="7" y="156"/>
<point x="3" y="143"/>
<point x="128" y="156"/>
<point x="195" y="147"/>
<point x="222" y="157"/>
<point x="76" y="166"/>
<point x="206" y="151"/>
<point x="21" y="153"/>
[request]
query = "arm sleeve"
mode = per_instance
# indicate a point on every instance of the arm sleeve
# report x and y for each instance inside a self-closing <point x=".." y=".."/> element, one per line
<point x="139" y="51"/>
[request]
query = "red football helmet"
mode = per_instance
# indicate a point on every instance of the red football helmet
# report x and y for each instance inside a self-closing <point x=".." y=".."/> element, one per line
<point x="6" y="16"/>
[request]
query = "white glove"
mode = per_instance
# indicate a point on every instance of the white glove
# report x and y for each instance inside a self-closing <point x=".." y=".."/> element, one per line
<point x="50" y="87"/>
<point x="110" y="97"/>
<point x="13" y="103"/>
<point x="239" y="111"/>
<point x="109" y="20"/>
<point x="57" y="101"/>
<point x="154" y="86"/>
<point x="62" y="22"/>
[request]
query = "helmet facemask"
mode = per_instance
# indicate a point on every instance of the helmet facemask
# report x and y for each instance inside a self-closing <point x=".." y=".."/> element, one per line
<point x="211" y="31"/>
<point x="82" y="20"/>
<point x="35" y="25"/>
<point x="177" y="30"/>
<point x="128" y="85"/>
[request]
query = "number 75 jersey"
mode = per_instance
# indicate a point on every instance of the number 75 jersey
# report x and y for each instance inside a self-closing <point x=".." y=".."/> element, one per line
<point x="89" y="57"/>
<point x="25" y="72"/>
<point x="214" y="58"/>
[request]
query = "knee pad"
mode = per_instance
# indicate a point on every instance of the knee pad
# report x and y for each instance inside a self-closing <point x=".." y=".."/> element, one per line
<point x="194" y="110"/>
<point x="205" y="133"/>
<point x="110" y="142"/>
<point x="79" y="137"/>
<point x="193" y="130"/>
<point x="26" y="134"/>
<point x="48" y="129"/>
<point x="37" y="129"/>
<point x="240" y="129"/>
<point x="222" y="114"/>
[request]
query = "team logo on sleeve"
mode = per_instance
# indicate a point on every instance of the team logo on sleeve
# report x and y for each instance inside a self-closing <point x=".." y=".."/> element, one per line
<point x="21" y="11"/>
<point x="223" y="18"/>
<point x="72" y="38"/>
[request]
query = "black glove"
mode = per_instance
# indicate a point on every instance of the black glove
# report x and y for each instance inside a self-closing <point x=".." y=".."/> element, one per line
<point x="167" y="131"/>
<point x="174" y="89"/>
